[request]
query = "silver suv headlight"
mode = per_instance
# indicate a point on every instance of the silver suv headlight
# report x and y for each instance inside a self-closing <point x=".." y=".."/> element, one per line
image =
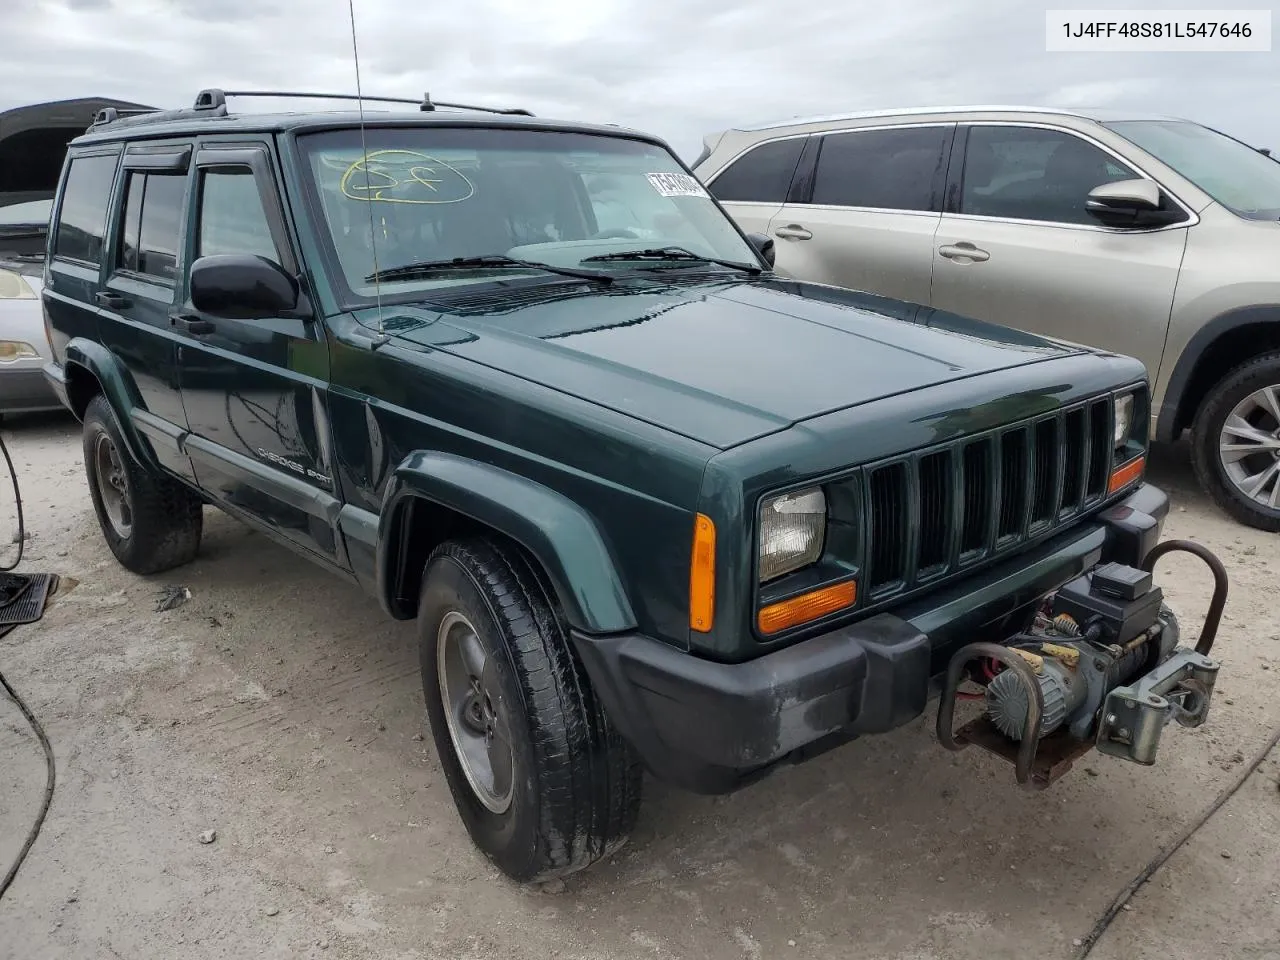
<point x="792" y="527"/>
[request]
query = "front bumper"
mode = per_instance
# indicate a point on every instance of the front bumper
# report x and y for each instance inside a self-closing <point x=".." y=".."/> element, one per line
<point x="710" y="727"/>
<point x="24" y="389"/>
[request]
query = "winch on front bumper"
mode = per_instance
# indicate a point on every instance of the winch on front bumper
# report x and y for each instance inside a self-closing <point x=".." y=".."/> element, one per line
<point x="712" y="727"/>
<point x="1099" y="667"/>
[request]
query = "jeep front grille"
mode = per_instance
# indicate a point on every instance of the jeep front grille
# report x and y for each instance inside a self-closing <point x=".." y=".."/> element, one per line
<point x="937" y="511"/>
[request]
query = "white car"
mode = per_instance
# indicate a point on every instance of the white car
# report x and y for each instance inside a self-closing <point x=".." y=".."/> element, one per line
<point x="24" y="344"/>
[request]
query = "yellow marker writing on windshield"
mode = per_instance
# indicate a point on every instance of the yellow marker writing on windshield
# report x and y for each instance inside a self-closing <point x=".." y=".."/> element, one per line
<point x="387" y="175"/>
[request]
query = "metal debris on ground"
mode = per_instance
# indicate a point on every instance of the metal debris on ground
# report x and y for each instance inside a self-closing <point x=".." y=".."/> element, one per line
<point x="174" y="595"/>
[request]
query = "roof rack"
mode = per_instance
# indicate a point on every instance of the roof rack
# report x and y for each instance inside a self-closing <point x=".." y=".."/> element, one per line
<point x="214" y="99"/>
<point x="112" y="114"/>
<point x="213" y="103"/>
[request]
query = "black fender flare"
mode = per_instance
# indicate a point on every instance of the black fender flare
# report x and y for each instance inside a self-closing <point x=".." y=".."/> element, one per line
<point x="117" y="386"/>
<point x="1204" y="338"/>
<point x="557" y="533"/>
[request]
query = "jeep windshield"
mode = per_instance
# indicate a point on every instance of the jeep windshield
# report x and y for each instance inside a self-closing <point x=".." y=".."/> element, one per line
<point x="509" y="203"/>
<point x="1239" y="177"/>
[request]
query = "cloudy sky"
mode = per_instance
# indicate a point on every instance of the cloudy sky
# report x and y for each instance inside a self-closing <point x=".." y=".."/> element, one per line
<point x="680" y="68"/>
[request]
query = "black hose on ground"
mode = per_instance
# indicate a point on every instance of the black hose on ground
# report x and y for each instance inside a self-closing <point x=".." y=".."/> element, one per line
<point x="50" y="780"/>
<point x="50" y="768"/>
<point x="17" y="499"/>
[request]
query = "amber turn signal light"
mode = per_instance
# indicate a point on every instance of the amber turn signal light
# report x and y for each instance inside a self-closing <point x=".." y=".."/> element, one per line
<point x="806" y="607"/>
<point x="1124" y="475"/>
<point x="702" y="575"/>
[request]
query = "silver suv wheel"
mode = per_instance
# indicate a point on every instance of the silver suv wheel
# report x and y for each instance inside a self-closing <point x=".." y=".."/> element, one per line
<point x="1249" y="446"/>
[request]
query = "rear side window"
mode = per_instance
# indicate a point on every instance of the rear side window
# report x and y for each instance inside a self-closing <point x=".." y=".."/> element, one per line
<point x="761" y="175"/>
<point x="883" y="169"/>
<point x="83" y="217"/>
<point x="1028" y="173"/>
<point x="151" y="229"/>
<point x="232" y="217"/>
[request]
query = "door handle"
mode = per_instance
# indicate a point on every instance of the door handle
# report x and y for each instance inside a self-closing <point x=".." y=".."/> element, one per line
<point x="115" y="301"/>
<point x="793" y="232"/>
<point x="964" y="250"/>
<point x="193" y="325"/>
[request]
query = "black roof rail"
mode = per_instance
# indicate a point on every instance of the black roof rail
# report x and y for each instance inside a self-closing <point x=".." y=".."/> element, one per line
<point x="114" y="114"/>
<point x="213" y="99"/>
<point x="427" y="105"/>
<point x="213" y="103"/>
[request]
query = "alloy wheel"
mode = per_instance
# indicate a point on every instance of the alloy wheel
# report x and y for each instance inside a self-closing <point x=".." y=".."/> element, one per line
<point x="1249" y="446"/>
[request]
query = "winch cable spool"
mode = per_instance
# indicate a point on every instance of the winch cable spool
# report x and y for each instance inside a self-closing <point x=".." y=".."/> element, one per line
<point x="50" y="767"/>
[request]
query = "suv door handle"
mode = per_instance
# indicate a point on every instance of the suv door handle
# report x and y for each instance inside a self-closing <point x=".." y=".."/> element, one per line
<point x="194" y="325"/>
<point x="105" y="298"/>
<point x="964" y="250"/>
<point x="793" y="232"/>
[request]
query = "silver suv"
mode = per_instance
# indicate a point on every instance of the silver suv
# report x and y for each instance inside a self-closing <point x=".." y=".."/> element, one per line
<point x="1149" y="236"/>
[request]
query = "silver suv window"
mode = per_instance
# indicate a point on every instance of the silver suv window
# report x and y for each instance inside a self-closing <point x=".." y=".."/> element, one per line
<point x="761" y="175"/>
<point x="899" y="169"/>
<point x="1240" y="178"/>
<point x="1029" y="173"/>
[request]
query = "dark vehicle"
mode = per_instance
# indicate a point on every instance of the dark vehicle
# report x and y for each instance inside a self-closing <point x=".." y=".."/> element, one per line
<point x="650" y="505"/>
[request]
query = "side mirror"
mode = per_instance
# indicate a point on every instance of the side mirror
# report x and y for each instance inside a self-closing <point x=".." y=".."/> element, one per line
<point x="764" y="247"/>
<point x="1130" y="203"/>
<point x="242" y="287"/>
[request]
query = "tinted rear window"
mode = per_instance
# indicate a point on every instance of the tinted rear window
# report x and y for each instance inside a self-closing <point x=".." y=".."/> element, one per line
<point x="152" y="220"/>
<point x="761" y="175"/>
<point x="84" y="208"/>
<point x="883" y="169"/>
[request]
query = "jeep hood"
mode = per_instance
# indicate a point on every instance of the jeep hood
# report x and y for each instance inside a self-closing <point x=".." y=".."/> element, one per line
<point x="721" y="363"/>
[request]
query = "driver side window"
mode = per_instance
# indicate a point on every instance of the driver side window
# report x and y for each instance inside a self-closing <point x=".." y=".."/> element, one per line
<point x="233" y="219"/>
<point x="1027" y="173"/>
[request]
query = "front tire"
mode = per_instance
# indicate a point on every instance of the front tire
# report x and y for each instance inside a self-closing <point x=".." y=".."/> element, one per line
<point x="544" y="784"/>
<point x="1236" y="443"/>
<point x="151" y="522"/>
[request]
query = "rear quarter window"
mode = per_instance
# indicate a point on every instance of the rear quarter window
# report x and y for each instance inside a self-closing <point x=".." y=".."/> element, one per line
<point x="761" y="175"/>
<point x="82" y="217"/>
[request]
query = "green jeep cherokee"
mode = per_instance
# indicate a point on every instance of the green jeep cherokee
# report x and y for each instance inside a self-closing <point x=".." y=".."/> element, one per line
<point x="650" y="505"/>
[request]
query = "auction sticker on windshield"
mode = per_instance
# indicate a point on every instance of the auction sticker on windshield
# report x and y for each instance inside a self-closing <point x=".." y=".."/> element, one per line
<point x="677" y="185"/>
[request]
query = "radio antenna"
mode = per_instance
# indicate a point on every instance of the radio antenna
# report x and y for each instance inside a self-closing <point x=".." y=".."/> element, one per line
<point x="368" y="186"/>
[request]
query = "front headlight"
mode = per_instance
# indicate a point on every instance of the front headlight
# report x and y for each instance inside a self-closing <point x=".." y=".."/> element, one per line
<point x="1123" y="421"/>
<point x="11" y="350"/>
<point x="791" y="531"/>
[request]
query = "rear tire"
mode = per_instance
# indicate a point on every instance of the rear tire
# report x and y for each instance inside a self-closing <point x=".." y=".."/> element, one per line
<point x="1242" y="414"/>
<point x="151" y="522"/>
<point x="544" y="783"/>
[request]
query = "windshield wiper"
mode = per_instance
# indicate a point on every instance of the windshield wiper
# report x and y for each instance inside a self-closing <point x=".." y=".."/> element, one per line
<point x="670" y="253"/>
<point x="422" y="268"/>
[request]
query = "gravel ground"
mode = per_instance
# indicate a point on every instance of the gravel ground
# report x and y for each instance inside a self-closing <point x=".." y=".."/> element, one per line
<point x="279" y="708"/>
